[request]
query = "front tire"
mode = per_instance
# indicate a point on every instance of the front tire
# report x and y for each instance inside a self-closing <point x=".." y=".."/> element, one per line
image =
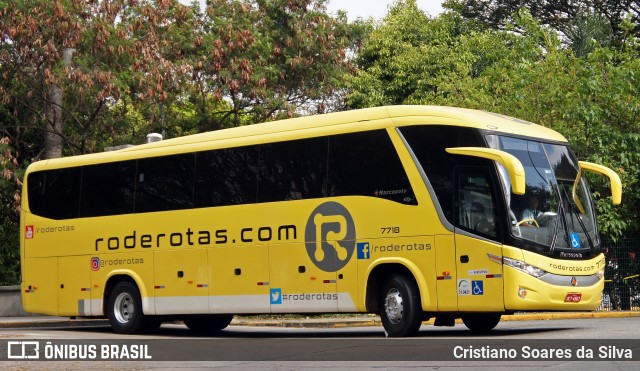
<point x="400" y="308"/>
<point x="124" y="309"/>
<point x="481" y="322"/>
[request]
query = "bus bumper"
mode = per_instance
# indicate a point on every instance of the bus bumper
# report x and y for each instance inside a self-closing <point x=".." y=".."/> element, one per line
<point x="523" y="292"/>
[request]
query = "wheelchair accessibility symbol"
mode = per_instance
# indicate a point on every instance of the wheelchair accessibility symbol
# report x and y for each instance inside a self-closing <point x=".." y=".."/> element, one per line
<point x="477" y="287"/>
<point x="575" y="240"/>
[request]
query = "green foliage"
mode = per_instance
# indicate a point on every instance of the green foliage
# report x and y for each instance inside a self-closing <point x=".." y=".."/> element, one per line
<point x="120" y="50"/>
<point x="621" y="151"/>
<point x="267" y="58"/>
<point x="9" y="217"/>
<point x="9" y="238"/>
<point x="391" y="60"/>
<point x="578" y="20"/>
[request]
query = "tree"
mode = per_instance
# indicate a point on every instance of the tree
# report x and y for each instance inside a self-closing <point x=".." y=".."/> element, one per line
<point x="412" y="59"/>
<point x="387" y="59"/>
<point x="586" y="28"/>
<point x="266" y="59"/>
<point x="73" y="70"/>
<point x="560" y="15"/>
<point x="64" y="66"/>
<point x="9" y="217"/>
<point x="65" y="62"/>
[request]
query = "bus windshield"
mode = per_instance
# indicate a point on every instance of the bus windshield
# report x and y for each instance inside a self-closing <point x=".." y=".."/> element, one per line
<point x="555" y="215"/>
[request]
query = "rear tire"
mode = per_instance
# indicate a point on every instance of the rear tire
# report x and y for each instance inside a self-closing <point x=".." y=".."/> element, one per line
<point x="481" y="322"/>
<point x="400" y="308"/>
<point x="124" y="309"/>
<point x="208" y="324"/>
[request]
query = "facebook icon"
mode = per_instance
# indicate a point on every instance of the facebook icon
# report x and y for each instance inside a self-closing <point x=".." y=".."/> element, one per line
<point x="364" y="250"/>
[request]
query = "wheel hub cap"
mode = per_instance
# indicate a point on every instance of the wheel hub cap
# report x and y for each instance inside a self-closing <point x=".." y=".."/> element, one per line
<point x="123" y="308"/>
<point x="393" y="306"/>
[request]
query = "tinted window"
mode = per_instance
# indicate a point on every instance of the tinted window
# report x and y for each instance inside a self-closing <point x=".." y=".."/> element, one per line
<point x="364" y="164"/>
<point x="428" y="143"/>
<point x="292" y="170"/>
<point x="475" y="203"/>
<point x="165" y="183"/>
<point x="108" y="189"/>
<point x="367" y="164"/>
<point x="55" y="193"/>
<point x="226" y="177"/>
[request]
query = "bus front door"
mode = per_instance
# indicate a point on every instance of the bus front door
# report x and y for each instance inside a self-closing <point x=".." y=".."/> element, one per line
<point x="479" y="282"/>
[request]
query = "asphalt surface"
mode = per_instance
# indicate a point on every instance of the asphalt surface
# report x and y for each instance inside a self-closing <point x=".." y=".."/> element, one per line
<point x="301" y="321"/>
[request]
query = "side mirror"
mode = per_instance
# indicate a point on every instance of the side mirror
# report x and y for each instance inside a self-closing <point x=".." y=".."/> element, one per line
<point x="510" y="162"/>
<point x="614" y="179"/>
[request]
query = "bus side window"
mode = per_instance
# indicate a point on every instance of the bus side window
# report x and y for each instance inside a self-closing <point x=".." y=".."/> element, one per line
<point x="165" y="183"/>
<point x="428" y="143"/>
<point x="292" y="170"/>
<point x="475" y="201"/>
<point x="367" y="164"/>
<point x="108" y="189"/>
<point x="226" y="177"/>
<point x="54" y="194"/>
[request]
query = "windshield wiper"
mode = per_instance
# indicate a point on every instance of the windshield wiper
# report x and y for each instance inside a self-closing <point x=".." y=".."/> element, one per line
<point x="556" y="227"/>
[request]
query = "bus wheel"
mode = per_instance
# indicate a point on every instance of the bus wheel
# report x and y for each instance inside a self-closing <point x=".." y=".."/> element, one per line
<point x="481" y="322"/>
<point x="124" y="308"/>
<point x="400" y="308"/>
<point x="208" y="324"/>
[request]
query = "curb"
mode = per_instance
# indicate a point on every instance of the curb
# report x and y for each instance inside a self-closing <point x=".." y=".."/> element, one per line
<point x="569" y="315"/>
<point x="21" y="322"/>
<point x="344" y="322"/>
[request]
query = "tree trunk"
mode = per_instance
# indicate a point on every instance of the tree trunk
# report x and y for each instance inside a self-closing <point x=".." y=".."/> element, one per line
<point x="53" y="113"/>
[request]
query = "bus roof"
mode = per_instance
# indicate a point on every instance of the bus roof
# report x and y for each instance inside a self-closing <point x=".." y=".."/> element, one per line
<point x="317" y="125"/>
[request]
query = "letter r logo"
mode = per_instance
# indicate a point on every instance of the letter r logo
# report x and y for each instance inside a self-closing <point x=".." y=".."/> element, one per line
<point x="330" y="236"/>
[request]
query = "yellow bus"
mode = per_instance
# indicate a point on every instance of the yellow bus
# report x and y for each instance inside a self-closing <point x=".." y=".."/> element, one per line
<point x="410" y="212"/>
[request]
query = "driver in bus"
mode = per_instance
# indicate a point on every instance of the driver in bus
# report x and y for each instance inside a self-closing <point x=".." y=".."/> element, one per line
<point x="532" y="212"/>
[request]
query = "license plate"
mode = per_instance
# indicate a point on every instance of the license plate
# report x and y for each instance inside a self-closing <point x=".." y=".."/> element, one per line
<point x="573" y="297"/>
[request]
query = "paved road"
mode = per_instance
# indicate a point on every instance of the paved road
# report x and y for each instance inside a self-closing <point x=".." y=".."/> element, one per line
<point x="251" y="347"/>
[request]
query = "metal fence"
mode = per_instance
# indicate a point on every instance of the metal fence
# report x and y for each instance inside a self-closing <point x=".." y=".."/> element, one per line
<point x="622" y="276"/>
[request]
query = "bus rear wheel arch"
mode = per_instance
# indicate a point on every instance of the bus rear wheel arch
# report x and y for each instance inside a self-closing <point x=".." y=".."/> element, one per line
<point x="124" y="310"/>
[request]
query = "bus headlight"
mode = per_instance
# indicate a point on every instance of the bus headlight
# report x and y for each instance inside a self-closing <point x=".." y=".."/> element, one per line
<point x="522" y="266"/>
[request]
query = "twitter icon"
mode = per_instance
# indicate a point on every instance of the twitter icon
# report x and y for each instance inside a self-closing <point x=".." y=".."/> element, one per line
<point x="276" y="296"/>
